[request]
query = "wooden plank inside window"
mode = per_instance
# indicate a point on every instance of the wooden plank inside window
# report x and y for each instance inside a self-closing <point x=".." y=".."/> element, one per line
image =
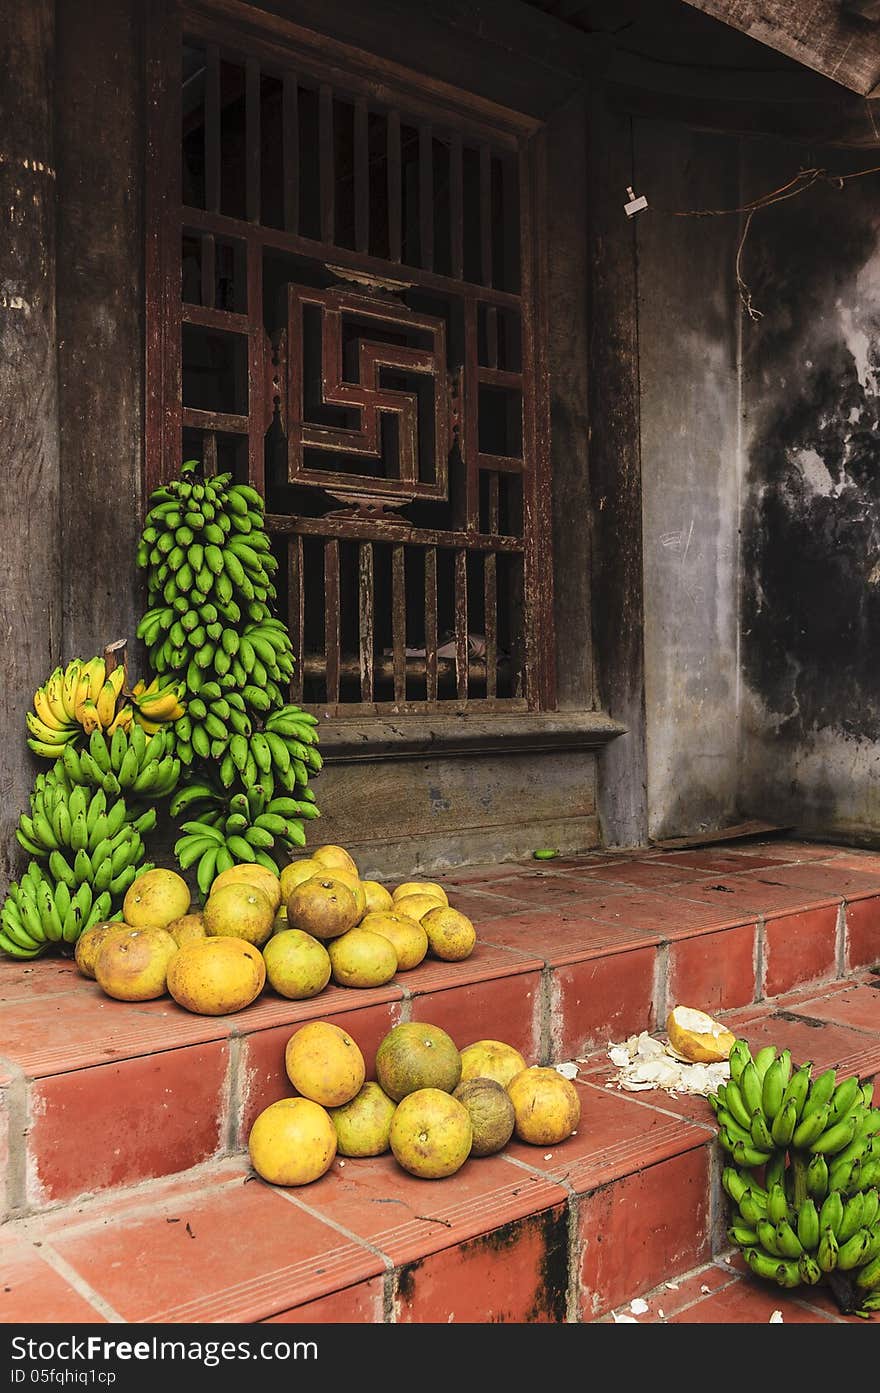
<point x="485" y="215"/>
<point x="296" y="612"/>
<point x="252" y="139"/>
<point x="212" y="130"/>
<point x="327" y="164"/>
<point x="398" y="621"/>
<point x="290" y="143"/>
<point x="331" y="620"/>
<point x="456" y="207"/>
<point x="490" y="606"/>
<point x="361" y="178"/>
<point x="426" y="197"/>
<point x="366" y="605"/>
<point x="431" y="623"/>
<point x="461" y="626"/>
<point x="394" y="198"/>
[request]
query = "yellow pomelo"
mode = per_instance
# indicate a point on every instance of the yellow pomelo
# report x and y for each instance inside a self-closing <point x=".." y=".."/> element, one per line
<point x="323" y="907"/>
<point x="697" y="1037"/>
<point x="491" y="1059"/>
<point x="421" y="887"/>
<point x="89" y="944"/>
<point x="335" y="858"/>
<point x="324" y="1063"/>
<point x="154" y="898"/>
<point x="133" y="966"/>
<point x="295" y="872"/>
<point x="297" y="965"/>
<point x="406" y="936"/>
<point x="417" y="904"/>
<point x="353" y="882"/>
<point x="491" y="1112"/>
<point x="239" y="910"/>
<point x="451" y="934"/>
<point x="360" y="958"/>
<point x="414" y="1055"/>
<point x="187" y="928"/>
<point x="363" y="1126"/>
<point x="251" y="873"/>
<point x="547" y="1105"/>
<point x="292" y="1142"/>
<point x="431" y="1133"/>
<point x="216" y="976"/>
<point x="377" y="896"/>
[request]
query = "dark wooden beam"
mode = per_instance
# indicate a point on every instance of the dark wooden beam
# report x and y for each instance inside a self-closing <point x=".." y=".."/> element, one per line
<point x="30" y="557"/>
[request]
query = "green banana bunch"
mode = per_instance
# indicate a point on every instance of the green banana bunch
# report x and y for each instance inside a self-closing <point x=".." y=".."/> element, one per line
<point x="131" y="761"/>
<point x="247" y="829"/>
<point x="39" y="915"/>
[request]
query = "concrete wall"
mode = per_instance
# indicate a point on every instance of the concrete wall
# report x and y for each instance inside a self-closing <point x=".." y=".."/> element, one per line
<point x="811" y="520"/>
<point x="688" y="366"/>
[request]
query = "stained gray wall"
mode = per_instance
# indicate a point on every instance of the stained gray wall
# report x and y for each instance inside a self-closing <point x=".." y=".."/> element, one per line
<point x="811" y="503"/>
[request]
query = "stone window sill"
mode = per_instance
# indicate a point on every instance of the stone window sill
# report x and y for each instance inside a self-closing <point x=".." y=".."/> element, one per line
<point x="344" y="739"/>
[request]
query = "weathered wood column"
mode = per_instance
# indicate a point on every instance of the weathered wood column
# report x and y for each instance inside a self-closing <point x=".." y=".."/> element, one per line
<point x="99" y="149"/>
<point x="30" y="551"/>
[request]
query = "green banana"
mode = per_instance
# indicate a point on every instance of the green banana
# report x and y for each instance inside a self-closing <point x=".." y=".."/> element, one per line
<point x="811" y="1126"/>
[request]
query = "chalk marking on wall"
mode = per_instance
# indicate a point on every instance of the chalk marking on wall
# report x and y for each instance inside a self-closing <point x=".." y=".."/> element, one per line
<point x="33" y="166"/>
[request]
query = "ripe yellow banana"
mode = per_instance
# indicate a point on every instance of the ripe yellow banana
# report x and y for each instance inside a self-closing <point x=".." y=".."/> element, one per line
<point x="97" y="672"/>
<point x="108" y="695"/>
<point x="164" y="706"/>
<point x="69" y="679"/>
<point x="123" y="719"/>
<point x="88" y="716"/>
<point x="46" y="711"/>
<point x="53" y="689"/>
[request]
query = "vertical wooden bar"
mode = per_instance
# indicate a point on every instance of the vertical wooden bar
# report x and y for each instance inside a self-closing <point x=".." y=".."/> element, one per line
<point x="456" y="207"/>
<point x="209" y="454"/>
<point x="212" y="129"/>
<point x="471" y="404"/>
<point x="296" y="613"/>
<point x="461" y="626"/>
<point x="485" y="215"/>
<point x="256" y="370"/>
<point x="290" y="152"/>
<point x="361" y="177"/>
<point x="426" y="197"/>
<point x="366" y="613"/>
<point x="331" y="619"/>
<point x="394" y="198"/>
<point x="327" y="164"/>
<point x="398" y="620"/>
<point x="209" y="272"/>
<point x="491" y="336"/>
<point x="431" y="623"/>
<point x="490" y="619"/>
<point x="252" y="140"/>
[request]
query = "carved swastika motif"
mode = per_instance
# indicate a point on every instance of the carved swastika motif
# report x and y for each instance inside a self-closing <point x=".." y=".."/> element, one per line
<point x="339" y="391"/>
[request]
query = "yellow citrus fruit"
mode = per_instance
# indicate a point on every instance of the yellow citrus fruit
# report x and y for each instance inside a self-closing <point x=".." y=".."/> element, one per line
<point x="323" y="907"/>
<point x="295" y="872"/>
<point x="335" y="858"/>
<point x="239" y="910"/>
<point x="414" y="1055"/>
<point x="353" y="881"/>
<point x="363" y="1125"/>
<point x="377" y="896"/>
<point x="406" y="936"/>
<point x="297" y="965"/>
<point x="88" y="945"/>
<point x="421" y="887"/>
<point x="216" y="976"/>
<point x="187" y="928"/>
<point x="154" y="898"/>
<point x="547" y="1105"/>
<point x="451" y="934"/>
<point x="431" y="1133"/>
<point x="133" y="966"/>
<point x="251" y="873"/>
<point x="292" y="1142"/>
<point x="324" y="1063"/>
<point x="491" y="1059"/>
<point x="697" y="1037"/>
<point x="417" y="904"/>
<point x="491" y="1112"/>
<point x="360" y="958"/>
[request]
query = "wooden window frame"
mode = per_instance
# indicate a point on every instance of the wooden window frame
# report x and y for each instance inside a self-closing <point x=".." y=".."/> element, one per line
<point x="266" y="36"/>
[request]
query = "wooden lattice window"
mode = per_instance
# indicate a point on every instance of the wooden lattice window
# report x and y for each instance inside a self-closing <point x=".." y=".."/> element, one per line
<point x="342" y="291"/>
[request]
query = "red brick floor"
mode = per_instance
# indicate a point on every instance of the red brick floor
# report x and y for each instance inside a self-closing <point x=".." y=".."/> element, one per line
<point x="123" y="1129"/>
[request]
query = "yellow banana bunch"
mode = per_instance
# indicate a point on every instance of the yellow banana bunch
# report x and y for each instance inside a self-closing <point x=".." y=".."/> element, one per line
<point x="108" y="696"/>
<point x="156" y="704"/>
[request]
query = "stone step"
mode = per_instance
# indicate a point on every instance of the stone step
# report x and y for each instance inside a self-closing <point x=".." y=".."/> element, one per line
<point x="128" y="1196"/>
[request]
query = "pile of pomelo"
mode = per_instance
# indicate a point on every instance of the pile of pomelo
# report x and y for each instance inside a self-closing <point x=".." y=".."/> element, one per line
<point x="432" y="1105"/>
<point x="313" y="922"/>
